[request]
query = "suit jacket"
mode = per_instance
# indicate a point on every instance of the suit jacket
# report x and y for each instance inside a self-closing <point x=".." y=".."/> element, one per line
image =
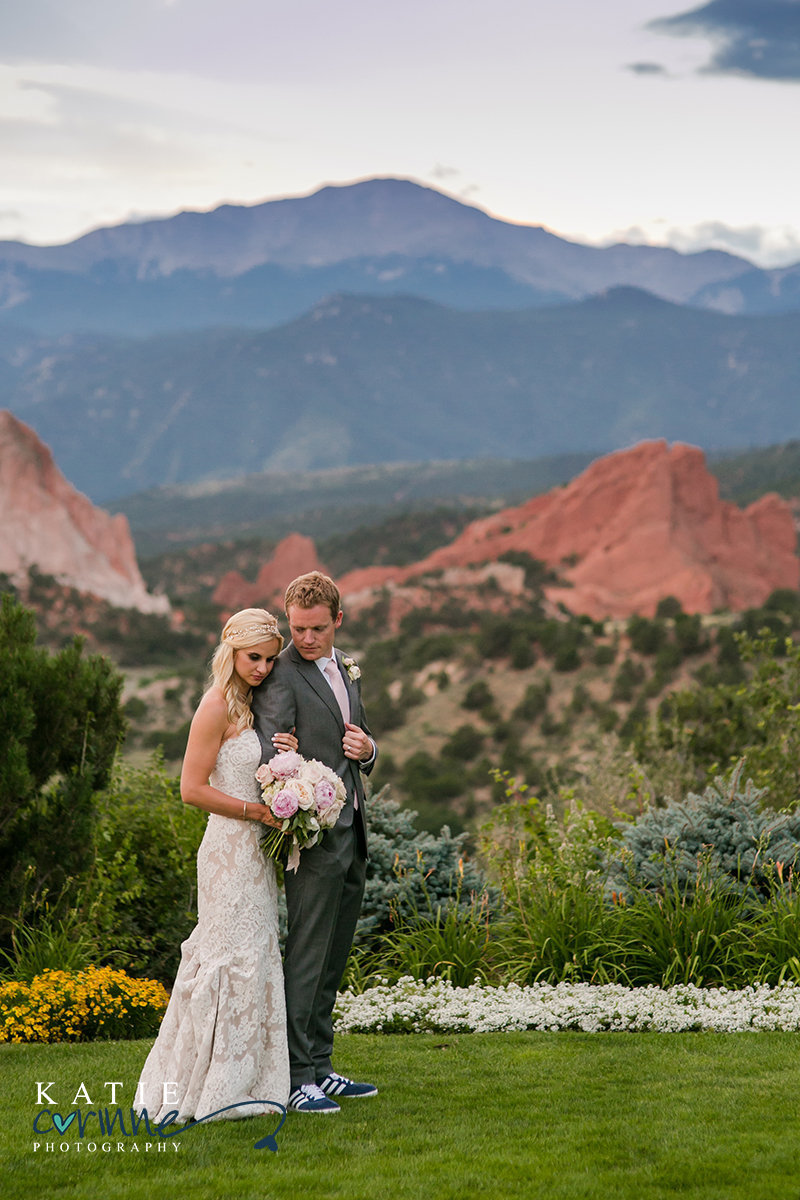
<point x="296" y="696"/>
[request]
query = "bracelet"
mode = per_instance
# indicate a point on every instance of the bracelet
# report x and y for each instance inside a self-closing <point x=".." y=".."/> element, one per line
<point x="244" y="810"/>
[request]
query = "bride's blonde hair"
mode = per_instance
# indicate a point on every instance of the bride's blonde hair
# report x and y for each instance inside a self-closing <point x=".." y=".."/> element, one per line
<point x="243" y="629"/>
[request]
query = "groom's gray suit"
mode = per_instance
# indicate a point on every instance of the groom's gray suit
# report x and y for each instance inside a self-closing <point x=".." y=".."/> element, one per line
<point x="323" y="897"/>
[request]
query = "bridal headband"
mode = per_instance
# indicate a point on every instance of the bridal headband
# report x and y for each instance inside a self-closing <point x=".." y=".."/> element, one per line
<point x="266" y="631"/>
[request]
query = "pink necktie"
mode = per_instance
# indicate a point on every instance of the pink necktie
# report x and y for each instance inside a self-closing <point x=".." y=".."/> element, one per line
<point x="334" y="678"/>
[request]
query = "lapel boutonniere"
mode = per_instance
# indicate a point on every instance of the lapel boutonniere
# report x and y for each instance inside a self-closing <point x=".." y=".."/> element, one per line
<point x="352" y="668"/>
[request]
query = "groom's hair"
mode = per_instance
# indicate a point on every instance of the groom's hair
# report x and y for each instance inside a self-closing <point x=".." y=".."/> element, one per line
<point x="314" y="588"/>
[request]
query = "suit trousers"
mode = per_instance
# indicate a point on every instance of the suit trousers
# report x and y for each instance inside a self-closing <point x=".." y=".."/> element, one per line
<point x="323" y="901"/>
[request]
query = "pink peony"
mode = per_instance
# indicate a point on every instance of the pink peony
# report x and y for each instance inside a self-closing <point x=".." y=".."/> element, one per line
<point x="284" y="805"/>
<point x="329" y="803"/>
<point x="285" y="765"/>
<point x="264" y="775"/>
<point x="324" y="795"/>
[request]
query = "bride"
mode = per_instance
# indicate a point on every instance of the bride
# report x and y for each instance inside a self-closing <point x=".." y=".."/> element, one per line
<point x="223" y="1038"/>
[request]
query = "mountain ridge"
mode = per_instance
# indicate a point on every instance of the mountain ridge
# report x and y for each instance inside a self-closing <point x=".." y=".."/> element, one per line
<point x="379" y="236"/>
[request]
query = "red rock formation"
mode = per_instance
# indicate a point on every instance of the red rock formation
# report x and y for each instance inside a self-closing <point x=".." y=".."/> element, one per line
<point x="49" y="525"/>
<point x="636" y="526"/>
<point x="294" y="556"/>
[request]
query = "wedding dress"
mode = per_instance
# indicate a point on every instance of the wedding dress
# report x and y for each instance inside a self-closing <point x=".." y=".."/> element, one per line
<point x="223" y="1038"/>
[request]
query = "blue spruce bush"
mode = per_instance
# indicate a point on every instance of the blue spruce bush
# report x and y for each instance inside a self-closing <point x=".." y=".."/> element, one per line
<point x="725" y="835"/>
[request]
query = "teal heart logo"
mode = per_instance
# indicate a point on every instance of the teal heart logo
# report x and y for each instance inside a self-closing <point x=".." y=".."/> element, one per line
<point x="59" y="1122"/>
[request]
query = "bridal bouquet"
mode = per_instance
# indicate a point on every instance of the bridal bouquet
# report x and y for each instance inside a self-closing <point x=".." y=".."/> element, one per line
<point x="305" y="796"/>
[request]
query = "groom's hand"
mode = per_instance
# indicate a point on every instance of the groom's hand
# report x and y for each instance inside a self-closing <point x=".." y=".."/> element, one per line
<point x="356" y="744"/>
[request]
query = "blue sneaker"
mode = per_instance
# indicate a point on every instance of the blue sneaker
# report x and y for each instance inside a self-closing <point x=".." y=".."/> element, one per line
<point x="311" y="1099"/>
<point x="339" y="1086"/>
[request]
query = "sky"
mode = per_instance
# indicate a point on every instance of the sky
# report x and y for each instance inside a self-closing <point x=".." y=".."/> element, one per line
<point x="644" y="121"/>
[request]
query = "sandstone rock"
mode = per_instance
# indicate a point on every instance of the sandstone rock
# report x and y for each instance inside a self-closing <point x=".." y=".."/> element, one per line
<point x="293" y="556"/>
<point x="49" y="525"/>
<point x="636" y="526"/>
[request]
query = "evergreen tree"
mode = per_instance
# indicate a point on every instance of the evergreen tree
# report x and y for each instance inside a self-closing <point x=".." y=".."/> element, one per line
<point x="60" y="725"/>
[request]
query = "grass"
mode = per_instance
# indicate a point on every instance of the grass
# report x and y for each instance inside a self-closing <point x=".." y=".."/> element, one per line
<point x="561" y="1116"/>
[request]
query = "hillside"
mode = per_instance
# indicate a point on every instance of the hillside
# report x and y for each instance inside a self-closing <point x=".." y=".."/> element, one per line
<point x="456" y="697"/>
<point x="489" y="678"/>
<point x="333" y="502"/>
<point x="745" y="477"/>
<point x="364" y="381"/>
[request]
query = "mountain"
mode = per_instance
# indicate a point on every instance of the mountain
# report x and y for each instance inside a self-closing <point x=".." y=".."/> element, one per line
<point x="634" y="527"/>
<point x="360" y="381"/>
<point x="264" y="264"/>
<point x="754" y="292"/>
<point x="51" y="529"/>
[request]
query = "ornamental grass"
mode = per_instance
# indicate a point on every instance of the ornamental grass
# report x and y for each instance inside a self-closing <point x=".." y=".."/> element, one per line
<point x="80" y="1006"/>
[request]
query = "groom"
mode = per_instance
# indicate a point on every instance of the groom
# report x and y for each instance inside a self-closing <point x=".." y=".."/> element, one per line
<point x="315" y="691"/>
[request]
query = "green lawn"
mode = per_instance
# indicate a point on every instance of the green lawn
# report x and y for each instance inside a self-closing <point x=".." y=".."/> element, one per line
<point x="559" y="1116"/>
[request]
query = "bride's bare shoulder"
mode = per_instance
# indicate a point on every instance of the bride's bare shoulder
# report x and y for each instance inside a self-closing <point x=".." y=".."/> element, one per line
<point x="212" y="707"/>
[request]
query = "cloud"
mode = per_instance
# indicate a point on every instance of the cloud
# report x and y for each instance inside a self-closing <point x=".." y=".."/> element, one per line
<point x="452" y="179"/>
<point x="764" y="246"/>
<point x="442" y="172"/>
<point x="755" y="38"/>
<point x="647" y="68"/>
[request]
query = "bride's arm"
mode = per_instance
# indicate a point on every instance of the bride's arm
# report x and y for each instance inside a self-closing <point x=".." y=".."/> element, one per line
<point x="206" y="732"/>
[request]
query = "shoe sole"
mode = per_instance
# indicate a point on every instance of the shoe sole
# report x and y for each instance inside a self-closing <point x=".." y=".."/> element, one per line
<point x="317" y="1112"/>
<point x="354" y="1096"/>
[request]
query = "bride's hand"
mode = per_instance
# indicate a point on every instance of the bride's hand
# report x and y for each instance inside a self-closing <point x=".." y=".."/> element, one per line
<point x="284" y="741"/>
<point x="260" y="813"/>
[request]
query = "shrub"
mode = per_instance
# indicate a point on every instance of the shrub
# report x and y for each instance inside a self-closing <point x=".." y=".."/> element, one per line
<point x="522" y="652"/>
<point x="627" y="679"/>
<point x="494" y="636"/>
<point x="669" y="606"/>
<point x="60" y="726"/>
<point x="534" y="703"/>
<point x="668" y="658"/>
<point x="690" y="636"/>
<point x="604" y="654"/>
<point x="464" y="744"/>
<point x="171" y="742"/>
<point x="409" y="869"/>
<point x="143" y="884"/>
<point x="646" y="637"/>
<point x="724" y="835"/>
<point x="634" y="721"/>
<point x="717" y="724"/>
<point x="478" y="697"/>
<point x="384" y="713"/>
<point x="567" y="657"/>
<point x="424" y="779"/>
<point x="785" y="600"/>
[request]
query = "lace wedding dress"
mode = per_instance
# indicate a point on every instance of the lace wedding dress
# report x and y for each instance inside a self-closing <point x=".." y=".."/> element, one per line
<point x="223" y="1037"/>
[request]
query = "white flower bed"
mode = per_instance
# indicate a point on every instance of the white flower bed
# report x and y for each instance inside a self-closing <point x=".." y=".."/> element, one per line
<point x="434" y="1006"/>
